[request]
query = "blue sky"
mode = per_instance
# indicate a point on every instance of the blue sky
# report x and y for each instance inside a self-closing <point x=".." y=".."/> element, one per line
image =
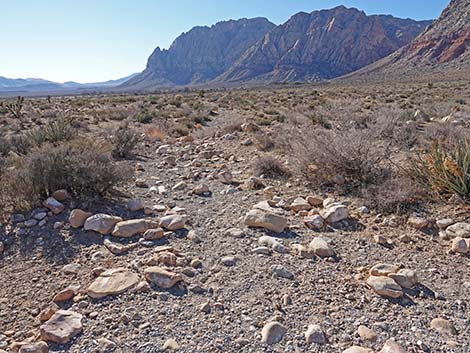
<point x="97" y="40"/>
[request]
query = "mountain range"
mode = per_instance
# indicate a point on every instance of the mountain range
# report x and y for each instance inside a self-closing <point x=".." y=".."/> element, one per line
<point x="308" y="47"/>
<point x="321" y="45"/>
<point x="32" y="85"/>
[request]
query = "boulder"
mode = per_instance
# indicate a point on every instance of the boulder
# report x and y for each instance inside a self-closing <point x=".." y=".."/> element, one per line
<point x="126" y="229"/>
<point x="225" y="177"/>
<point x="461" y="230"/>
<point x="273" y="333"/>
<point x="272" y="243"/>
<point x="444" y="327"/>
<point x="52" y="204"/>
<point x="170" y="345"/>
<point x="61" y="327"/>
<point x="314" y="334"/>
<point x="37" y="347"/>
<point x="61" y="195"/>
<point x="300" y="204"/>
<point x="281" y="271"/>
<point x="390" y="346"/>
<point x="383" y="269"/>
<point x="335" y="213"/>
<point x="366" y="333"/>
<point x="315" y="222"/>
<point x="201" y="189"/>
<point x="385" y="286"/>
<point x="459" y="245"/>
<point x="418" y="222"/>
<point x="321" y="248"/>
<point x="406" y="278"/>
<point x="173" y="222"/>
<point x="161" y="277"/>
<point x="315" y="201"/>
<point x="116" y="248"/>
<point x="66" y="294"/>
<point x="259" y="219"/>
<point x="154" y="234"/>
<point x="112" y="282"/>
<point x="101" y="223"/>
<point x="78" y="217"/>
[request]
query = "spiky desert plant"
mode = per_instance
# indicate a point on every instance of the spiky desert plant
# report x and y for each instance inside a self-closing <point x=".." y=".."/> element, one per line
<point x="445" y="168"/>
<point x="15" y="108"/>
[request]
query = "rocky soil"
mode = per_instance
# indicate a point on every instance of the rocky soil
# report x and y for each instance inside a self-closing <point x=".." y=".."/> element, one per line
<point x="199" y="255"/>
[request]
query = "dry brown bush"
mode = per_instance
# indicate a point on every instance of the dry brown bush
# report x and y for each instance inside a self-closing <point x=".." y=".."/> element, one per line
<point x="124" y="140"/>
<point x="353" y="154"/>
<point x="399" y="194"/>
<point x="81" y="167"/>
<point x="264" y="142"/>
<point x="271" y="168"/>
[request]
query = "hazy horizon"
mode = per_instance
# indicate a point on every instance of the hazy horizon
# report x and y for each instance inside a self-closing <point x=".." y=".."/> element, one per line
<point x="90" y="41"/>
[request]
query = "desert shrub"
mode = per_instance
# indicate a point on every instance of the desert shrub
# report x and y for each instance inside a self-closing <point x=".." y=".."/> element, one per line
<point x="123" y="142"/>
<point x="262" y="121"/>
<point x="233" y="127"/>
<point x="355" y="155"/>
<point x="264" y="142"/>
<point x="399" y="194"/>
<point x="444" y="132"/>
<point x="144" y="117"/>
<point x="179" y="130"/>
<point x="54" y="132"/>
<point x="155" y="133"/>
<point x="445" y="168"/>
<point x="81" y="167"/>
<point x="5" y="145"/>
<point x="270" y="167"/>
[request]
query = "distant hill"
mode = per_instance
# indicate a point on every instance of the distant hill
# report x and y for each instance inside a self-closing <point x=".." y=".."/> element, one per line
<point x="323" y="45"/>
<point x="201" y="54"/>
<point x="34" y="85"/>
<point x="442" y="50"/>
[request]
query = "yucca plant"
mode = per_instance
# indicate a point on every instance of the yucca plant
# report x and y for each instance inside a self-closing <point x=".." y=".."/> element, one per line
<point x="15" y="108"/>
<point x="445" y="168"/>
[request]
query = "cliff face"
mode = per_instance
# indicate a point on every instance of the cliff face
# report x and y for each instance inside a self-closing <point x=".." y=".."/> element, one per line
<point x="444" y="48"/>
<point x="322" y="45"/>
<point x="201" y="54"/>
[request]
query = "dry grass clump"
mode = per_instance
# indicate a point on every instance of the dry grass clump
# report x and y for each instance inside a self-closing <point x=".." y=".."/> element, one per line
<point x="271" y="168"/>
<point x="81" y="167"/>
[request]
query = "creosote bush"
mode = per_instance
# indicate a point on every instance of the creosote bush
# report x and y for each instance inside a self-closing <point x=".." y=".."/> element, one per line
<point x="353" y="154"/>
<point x="81" y="167"/>
<point x="399" y="195"/>
<point x="271" y="168"/>
<point x="123" y="142"/>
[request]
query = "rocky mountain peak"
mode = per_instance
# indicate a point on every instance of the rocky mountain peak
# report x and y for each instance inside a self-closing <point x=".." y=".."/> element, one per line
<point x="202" y="53"/>
<point x="321" y="45"/>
